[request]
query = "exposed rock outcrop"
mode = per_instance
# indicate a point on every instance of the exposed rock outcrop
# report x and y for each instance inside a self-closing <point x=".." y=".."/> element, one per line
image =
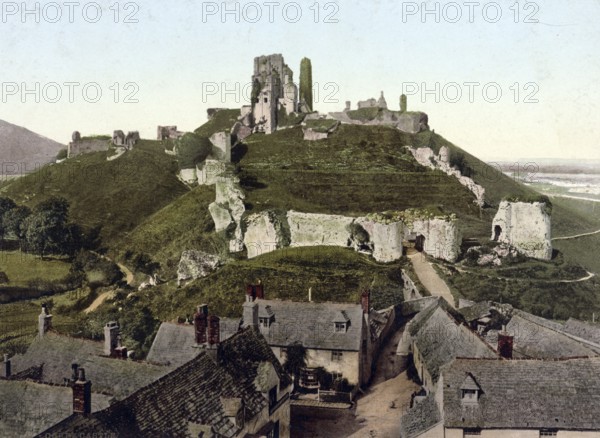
<point x="265" y="232"/>
<point x="386" y="239"/>
<point x="310" y="229"/>
<point x="196" y="264"/>
<point x="426" y="157"/>
<point x="229" y="200"/>
<point x="526" y="226"/>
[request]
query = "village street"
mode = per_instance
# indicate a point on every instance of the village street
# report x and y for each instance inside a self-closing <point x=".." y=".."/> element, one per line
<point x="378" y="410"/>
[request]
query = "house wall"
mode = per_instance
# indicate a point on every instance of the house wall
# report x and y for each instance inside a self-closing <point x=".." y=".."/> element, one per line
<point x="421" y="369"/>
<point x="519" y="433"/>
<point x="349" y="365"/>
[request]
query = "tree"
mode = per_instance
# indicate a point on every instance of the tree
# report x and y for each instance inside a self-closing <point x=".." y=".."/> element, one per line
<point x="403" y="103"/>
<point x="192" y="149"/>
<point x="295" y="361"/>
<point x="12" y="221"/>
<point x="306" y="83"/>
<point x="46" y="227"/>
<point x="6" y="205"/>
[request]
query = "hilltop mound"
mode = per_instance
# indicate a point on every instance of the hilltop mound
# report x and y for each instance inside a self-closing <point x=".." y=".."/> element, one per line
<point x="24" y="151"/>
<point x="116" y="195"/>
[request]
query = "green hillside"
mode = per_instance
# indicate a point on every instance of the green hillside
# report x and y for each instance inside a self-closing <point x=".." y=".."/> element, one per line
<point x="117" y="195"/>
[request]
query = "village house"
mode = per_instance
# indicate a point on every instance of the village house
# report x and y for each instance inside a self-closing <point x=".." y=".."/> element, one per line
<point x="343" y="339"/>
<point x="235" y="388"/>
<point x="436" y="336"/>
<point x="510" y="398"/>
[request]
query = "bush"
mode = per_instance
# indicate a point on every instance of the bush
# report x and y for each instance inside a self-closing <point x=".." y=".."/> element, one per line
<point x="62" y="154"/>
<point x="192" y="149"/>
<point x="97" y="270"/>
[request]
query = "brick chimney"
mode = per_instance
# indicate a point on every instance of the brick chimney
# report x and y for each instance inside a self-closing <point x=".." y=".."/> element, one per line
<point x="365" y="301"/>
<point x="214" y="330"/>
<point x="7" y="368"/>
<point x="201" y="324"/>
<point x="44" y="321"/>
<point x="505" y="344"/>
<point x="111" y="335"/>
<point x="255" y="292"/>
<point x="250" y="315"/>
<point x="82" y="394"/>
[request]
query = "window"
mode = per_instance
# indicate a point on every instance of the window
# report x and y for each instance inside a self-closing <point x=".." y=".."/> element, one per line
<point x="273" y="397"/>
<point x="548" y="432"/>
<point x="472" y="432"/>
<point x="336" y="355"/>
<point x="265" y="322"/>
<point x="340" y="327"/>
<point x="266" y="100"/>
<point x="336" y="376"/>
<point x="469" y="395"/>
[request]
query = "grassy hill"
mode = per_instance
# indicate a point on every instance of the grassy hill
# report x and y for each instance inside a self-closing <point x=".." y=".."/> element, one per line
<point x="25" y="149"/>
<point x="117" y="195"/>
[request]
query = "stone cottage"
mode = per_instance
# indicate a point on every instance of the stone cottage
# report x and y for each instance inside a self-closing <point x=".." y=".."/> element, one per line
<point x="510" y="398"/>
<point x="342" y="338"/>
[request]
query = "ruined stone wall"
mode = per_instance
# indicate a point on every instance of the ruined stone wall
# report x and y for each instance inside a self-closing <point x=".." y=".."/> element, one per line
<point x="266" y="232"/>
<point x="86" y="146"/>
<point x="426" y="157"/>
<point x="442" y="238"/>
<point x="526" y="226"/>
<point x="228" y="209"/>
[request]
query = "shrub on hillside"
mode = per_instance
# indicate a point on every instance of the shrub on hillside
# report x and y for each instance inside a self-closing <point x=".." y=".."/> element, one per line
<point x="192" y="149"/>
<point x="98" y="271"/>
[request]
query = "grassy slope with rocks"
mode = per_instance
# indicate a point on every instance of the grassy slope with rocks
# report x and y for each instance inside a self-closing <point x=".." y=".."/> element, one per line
<point x="117" y="195"/>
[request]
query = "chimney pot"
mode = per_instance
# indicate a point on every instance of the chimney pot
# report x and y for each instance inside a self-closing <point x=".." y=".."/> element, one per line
<point x="7" y="367"/>
<point x="214" y="329"/>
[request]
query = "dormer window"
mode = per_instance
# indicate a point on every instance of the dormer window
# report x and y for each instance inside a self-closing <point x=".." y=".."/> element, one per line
<point x="470" y="390"/>
<point x="341" y="322"/>
<point x="265" y="322"/>
<point x="265" y="316"/>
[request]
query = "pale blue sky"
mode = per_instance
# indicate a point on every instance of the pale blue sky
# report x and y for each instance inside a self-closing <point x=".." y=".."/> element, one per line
<point x="170" y="53"/>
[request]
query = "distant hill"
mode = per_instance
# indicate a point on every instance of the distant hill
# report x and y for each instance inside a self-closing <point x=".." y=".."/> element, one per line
<point x="26" y="149"/>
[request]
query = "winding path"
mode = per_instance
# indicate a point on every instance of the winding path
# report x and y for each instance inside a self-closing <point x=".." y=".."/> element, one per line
<point x="106" y="295"/>
<point x="577" y="236"/>
<point x="430" y="279"/>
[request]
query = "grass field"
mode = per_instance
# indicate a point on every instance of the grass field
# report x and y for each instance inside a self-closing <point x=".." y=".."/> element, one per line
<point x="22" y="268"/>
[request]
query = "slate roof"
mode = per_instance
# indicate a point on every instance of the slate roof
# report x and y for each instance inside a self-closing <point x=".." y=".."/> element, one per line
<point x="174" y="344"/>
<point x="27" y="408"/>
<point x="527" y="394"/>
<point x="584" y="330"/>
<point x="313" y="324"/>
<point x="537" y="338"/>
<point x="420" y="418"/>
<point x="441" y="335"/>
<point x="53" y="355"/>
<point x="191" y="394"/>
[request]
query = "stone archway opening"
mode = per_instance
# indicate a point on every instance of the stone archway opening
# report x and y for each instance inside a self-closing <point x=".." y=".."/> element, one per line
<point x="420" y="243"/>
<point x="497" y="232"/>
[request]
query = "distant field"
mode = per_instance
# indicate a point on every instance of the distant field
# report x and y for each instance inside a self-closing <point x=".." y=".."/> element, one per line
<point x="21" y="268"/>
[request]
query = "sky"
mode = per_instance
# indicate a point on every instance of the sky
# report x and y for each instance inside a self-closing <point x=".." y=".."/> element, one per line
<point x="503" y="80"/>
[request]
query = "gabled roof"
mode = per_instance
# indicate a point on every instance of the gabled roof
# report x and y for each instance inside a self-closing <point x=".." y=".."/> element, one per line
<point x="313" y="324"/>
<point x="265" y="312"/>
<point x="584" y="330"/>
<point x="174" y="344"/>
<point x="189" y="397"/>
<point x="525" y="394"/>
<point x="469" y="383"/>
<point x="441" y="336"/>
<point x="111" y="376"/>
